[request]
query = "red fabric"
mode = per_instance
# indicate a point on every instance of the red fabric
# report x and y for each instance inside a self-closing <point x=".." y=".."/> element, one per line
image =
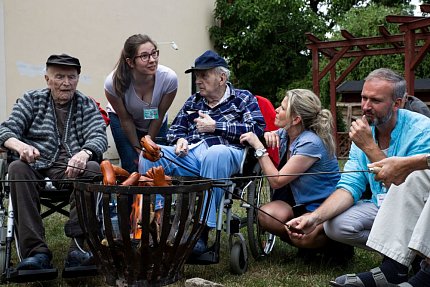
<point x="103" y="112"/>
<point x="269" y="115"/>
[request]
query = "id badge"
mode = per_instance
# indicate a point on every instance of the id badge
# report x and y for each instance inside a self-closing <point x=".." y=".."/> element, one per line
<point x="150" y="114"/>
<point x="380" y="198"/>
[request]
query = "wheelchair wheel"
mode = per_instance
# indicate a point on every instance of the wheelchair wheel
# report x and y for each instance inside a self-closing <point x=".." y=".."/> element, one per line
<point x="260" y="242"/>
<point x="3" y="217"/>
<point x="3" y="231"/>
<point x="238" y="258"/>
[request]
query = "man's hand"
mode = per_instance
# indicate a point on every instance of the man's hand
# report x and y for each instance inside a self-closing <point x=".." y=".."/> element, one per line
<point x="204" y="123"/>
<point x="395" y="169"/>
<point x="181" y="147"/>
<point x="29" y="154"/>
<point x="26" y="152"/>
<point x="361" y="134"/>
<point x="300" y="226"/>
<point x="77" y="164"/>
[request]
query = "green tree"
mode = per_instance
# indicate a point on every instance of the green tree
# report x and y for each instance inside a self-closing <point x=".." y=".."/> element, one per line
<point x="336" y="9"/>
<point x="365" y="22"/>
<point x="264" y="42"/>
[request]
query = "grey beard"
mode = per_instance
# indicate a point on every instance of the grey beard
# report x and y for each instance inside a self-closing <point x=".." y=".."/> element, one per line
<point x="378" y="122"/>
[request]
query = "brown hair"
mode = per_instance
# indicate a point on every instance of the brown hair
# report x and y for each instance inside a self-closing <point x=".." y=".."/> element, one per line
<point x="122" y="74"/>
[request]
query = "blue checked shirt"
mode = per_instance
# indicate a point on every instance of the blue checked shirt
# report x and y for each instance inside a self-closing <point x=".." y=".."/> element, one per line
<point x="237" y="115"/>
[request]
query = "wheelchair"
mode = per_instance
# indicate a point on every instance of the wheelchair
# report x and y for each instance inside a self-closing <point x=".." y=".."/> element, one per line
<point x="252" y="190"/>
<point x="55" y="201"/>
<point x="248" y="186"/>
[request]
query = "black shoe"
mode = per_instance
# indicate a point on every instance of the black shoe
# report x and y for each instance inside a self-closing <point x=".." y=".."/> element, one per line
<point x="339" y="253"/>
<point x="199" y="248"/>
<point x="416" y="264"/>
<point x="77" y="258"/>
<point x="36" y="262"/>
<point x="307" y="254"/>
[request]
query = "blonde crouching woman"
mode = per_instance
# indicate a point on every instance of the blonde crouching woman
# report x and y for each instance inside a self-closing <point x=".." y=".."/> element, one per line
<point x="306" y="144"/>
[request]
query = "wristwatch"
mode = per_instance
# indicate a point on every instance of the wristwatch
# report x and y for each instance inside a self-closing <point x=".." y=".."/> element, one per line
<point x="428" y="160"/>
<point x="88" y="152"/>
<point x="260" y="152"/>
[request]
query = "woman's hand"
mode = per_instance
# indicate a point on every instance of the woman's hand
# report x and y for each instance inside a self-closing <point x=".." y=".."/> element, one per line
<point x="251" y="139"/>
<point x="272" y="139"/>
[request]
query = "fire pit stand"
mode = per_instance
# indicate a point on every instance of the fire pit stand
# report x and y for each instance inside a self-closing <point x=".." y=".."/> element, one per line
<point x="157" y="256"/>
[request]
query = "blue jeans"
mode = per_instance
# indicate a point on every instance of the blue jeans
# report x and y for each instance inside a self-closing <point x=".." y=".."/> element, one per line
<point x="217" y="161"/>
<point x="127" y="153"/>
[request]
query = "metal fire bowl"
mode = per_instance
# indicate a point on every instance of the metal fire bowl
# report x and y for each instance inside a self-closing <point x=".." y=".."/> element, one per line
<point x="157" y="259"/>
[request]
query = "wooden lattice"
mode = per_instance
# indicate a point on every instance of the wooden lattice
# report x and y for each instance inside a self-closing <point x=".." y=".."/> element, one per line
<point x="344" y="143"/>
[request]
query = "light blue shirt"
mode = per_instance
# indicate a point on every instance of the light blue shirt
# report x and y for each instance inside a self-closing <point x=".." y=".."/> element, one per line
<point x="410" y="136"/>
<point x="314" y="187"/>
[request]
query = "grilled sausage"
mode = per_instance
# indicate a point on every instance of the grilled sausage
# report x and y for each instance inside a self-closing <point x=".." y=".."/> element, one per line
<point x="120" y="173"/>
<point x="157" y="174"/>
<point x="109" y="177"/>
<point x="145" y="181"/>
<point x="151" y="149"/>
<point x="133" y="179"/>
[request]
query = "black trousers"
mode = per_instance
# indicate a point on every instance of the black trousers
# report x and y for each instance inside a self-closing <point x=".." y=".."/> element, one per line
<point x="26" y="205"/>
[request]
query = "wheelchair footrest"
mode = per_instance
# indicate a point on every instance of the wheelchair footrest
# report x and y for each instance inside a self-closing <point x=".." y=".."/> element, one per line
<point x="20" y="276"/>
<point x="207" y="258"/>
<point x="80" y="271"/>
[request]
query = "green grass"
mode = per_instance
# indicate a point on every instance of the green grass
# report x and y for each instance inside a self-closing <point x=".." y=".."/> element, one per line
<point x="280" y="268"/>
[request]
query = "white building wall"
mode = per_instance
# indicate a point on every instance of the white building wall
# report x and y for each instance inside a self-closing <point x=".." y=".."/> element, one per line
<point x="94" y="31"/>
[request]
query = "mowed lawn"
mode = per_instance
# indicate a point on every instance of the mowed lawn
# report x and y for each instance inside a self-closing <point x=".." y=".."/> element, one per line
<point x="280" y="268"/>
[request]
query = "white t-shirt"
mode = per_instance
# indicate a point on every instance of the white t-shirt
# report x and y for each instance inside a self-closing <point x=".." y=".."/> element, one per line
<point x="166" y="81"/>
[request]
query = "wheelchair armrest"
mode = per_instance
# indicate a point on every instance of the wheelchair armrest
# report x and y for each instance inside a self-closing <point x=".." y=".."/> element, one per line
<point x="245" y="154"/>
<point x="3" y="153"/>
<point x="248" y="161"/>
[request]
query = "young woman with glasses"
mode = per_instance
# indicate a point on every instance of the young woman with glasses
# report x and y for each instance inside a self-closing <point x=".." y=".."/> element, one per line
<point x="139" y="91"/>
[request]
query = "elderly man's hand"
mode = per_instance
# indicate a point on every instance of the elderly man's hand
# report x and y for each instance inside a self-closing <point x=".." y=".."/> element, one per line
<point x="181" y="147"/>
<point x="204" y="123"/>
<point x="28" y="153"/>
<point x="77" y="164"/>
<point x="361" y="134"/>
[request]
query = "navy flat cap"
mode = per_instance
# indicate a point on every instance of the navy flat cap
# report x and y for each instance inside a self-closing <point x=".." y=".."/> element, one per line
<point x="64" y="60"/>
<point x="208" y="60"/>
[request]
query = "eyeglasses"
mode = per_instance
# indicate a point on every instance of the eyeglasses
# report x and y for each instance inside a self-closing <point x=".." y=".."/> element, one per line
<point x="145" y="56"/>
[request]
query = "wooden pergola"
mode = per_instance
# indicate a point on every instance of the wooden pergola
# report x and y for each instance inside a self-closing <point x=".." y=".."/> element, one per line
<point x="413" y="41"/>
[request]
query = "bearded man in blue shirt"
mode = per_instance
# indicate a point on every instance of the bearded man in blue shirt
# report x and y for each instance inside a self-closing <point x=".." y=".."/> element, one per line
<point x="385" y="130"/>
